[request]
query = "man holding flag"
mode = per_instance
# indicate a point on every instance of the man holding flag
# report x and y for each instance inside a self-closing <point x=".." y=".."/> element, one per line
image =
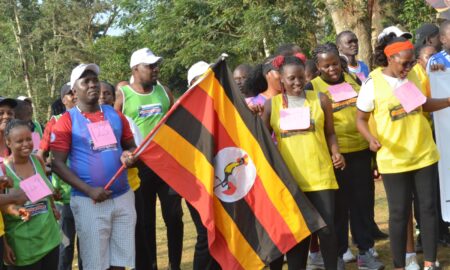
<point x="96" y="140"/>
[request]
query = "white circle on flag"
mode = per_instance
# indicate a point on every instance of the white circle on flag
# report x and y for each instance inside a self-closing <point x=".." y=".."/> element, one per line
<point x="235" y="174"/>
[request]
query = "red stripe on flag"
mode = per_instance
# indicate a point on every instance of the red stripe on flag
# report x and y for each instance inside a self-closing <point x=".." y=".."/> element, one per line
<point x="267" y="214"/>
<point x="192" y="189"/>
<point x="269" y="217"/>
<point x="180" y="179"/>
<point x="220" y="250"/>
<point x="206" y="115"/>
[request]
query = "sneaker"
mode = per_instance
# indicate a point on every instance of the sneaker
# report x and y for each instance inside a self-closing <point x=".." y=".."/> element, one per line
<point x="411" y="263"/>
<point x="340" y="264"/>
<point x="432" y="267"/>
<point x="348" y="256"/>
<point x="373" y="252"/>
<point x="369" y="262"/>
<point x="315" y="261"/>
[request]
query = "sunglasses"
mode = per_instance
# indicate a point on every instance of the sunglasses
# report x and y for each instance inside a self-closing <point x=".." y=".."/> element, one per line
<point x="408" y="64"/>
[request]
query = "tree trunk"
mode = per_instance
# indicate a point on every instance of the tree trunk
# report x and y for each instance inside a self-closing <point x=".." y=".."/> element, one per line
<point x="377" y="19"/>
<point x="17" y="30"/>
<point x="354" y="15"/>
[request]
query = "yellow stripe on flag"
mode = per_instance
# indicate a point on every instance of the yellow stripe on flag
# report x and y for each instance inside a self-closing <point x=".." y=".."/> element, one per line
<point x="187" y="155"/>
<point x="243" y="138"/>
<point x="236" y="242"/>
<point x="195" y="162"/>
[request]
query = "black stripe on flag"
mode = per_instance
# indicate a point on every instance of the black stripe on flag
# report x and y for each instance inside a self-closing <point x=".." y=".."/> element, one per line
<point x="260" y="132"/>
<point x="185" y="124"/>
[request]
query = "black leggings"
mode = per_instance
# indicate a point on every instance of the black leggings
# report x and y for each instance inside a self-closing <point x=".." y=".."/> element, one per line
<point x="48" y="262"/>
<point x="354" y="200"/>
<point x="297" y="257"/>
<point x="400" y="188"/>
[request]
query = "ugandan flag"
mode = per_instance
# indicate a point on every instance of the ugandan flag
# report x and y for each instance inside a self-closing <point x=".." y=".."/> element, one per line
<point x="219" y="156"/>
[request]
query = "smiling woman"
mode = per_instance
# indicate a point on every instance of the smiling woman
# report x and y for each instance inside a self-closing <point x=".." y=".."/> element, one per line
<point x="406" y="152"/>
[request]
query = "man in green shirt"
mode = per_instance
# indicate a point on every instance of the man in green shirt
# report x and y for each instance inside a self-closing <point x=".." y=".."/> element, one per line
<point x="146" y="101"/>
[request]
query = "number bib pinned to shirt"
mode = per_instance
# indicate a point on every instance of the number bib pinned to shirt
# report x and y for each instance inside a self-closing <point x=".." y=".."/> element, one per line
<point x="102" y="135"/>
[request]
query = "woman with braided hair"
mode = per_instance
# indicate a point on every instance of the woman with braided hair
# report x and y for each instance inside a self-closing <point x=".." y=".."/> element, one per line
<point x="354" y="198"/>
<point x="406" y="153"/>
<point x="306" y="145"/>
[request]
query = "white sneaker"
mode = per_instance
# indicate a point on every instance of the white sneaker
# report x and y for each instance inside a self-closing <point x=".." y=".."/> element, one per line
<point x="315" y="261"/>
<point x="411" y="263"/>
<point x="373" y="252"/>
<point x="348" y="256"/>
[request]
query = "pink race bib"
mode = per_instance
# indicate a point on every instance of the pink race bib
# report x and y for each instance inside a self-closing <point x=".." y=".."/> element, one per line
<point x="409" y="96"/>
<point x="36" y="140"/>
<point x="295" y="118"/>
<point x="342" y="91"/>
<point x="102" y="134"/>
<point x="35" y="188"/>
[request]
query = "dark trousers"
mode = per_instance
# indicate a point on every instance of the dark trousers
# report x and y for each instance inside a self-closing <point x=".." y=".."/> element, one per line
<point x="400" y="188"/>
<point x="353" y="201"/>
<point x="67" y="223"/>
<point x="297" y="257"/>
<point x="48" y="262"/>
<point x="152" y="186"/>
<point x="143" y="260"/>
<point x="202" y="258"/>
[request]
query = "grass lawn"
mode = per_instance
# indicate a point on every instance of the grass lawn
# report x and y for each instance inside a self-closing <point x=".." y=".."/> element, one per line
<point x="381" y="212"/>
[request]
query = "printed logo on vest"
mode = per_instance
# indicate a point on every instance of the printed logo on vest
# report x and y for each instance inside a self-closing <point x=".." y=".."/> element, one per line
<point x="337" y="106"/>
<point x="111" y="147"/>
<point x="37" y="208"/>
<point x="397" y="112"/>
<point x="289" y="133"/>
<point x="235" y="174"/>
<point x="150" y="109"/>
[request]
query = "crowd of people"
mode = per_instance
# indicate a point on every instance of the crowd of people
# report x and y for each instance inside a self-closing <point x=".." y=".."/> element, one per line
<point x="351" y="129"/>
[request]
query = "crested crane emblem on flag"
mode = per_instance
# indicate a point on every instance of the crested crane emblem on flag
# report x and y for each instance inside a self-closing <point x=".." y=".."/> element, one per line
<point x="235" y="174"/>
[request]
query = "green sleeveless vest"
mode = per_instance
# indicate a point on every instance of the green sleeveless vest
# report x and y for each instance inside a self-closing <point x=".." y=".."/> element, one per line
<point x="35" y="238"/>
<point x="146" y="110"/>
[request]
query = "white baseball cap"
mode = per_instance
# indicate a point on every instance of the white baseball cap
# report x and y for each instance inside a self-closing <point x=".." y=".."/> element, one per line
<point x="24" y="98"/>
<point x="397" y="31"/>
<point x="80" y="69"/>
<point x="196" y="70"/>
<point x="143" y="56"/>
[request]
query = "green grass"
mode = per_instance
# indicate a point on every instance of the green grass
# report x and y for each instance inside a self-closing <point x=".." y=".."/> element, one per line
<point x="381" y="212"/>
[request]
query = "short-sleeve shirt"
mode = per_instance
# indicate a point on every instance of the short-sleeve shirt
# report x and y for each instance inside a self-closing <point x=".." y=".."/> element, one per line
<point x="366" y="97"/>
<point x="45" y="141"/>
<point x="361" y="70"/>
<point x="441" y="57"/>
<point x="61" y="139"/>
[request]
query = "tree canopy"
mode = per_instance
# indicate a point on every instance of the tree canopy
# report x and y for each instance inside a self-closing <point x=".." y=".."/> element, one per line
<point x="42" y="40"/>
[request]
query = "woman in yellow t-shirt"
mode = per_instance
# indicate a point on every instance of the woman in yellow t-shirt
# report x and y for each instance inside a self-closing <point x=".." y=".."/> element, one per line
<point x="303" y="146"/>
<point x="355" y="197"/>
<point x="406" y="153"/>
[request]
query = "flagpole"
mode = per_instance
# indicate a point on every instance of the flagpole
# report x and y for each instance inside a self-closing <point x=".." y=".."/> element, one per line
<point x="147" y="139"/>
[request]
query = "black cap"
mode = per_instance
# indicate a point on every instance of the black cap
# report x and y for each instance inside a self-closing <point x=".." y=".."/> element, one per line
<point x="65" y="89"/>
<point x="8" y="101"/>
<point x="425" y="31"/>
